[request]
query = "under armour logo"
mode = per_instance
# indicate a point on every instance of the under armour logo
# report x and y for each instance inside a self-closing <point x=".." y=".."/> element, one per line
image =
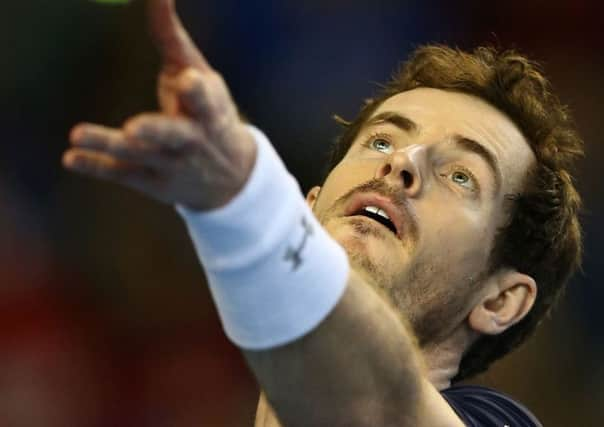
<point x="293" y="254"/>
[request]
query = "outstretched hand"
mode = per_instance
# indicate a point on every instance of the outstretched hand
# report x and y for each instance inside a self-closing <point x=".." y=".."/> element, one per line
<point x="196" y="151"/>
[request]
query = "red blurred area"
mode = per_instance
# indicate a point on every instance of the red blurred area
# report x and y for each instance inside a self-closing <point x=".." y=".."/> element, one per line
<point x="105" y="318"/>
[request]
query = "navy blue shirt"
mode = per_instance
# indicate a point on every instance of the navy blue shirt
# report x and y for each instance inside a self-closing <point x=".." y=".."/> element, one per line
<point x="484" y="407"/>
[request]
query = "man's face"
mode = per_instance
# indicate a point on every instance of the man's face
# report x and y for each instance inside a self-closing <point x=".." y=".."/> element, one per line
<point x="439" y="164"/>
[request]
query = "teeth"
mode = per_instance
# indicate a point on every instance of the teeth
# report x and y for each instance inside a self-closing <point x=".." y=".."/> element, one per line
<point x="382" y="213"/>
<point x="376" y="210"/>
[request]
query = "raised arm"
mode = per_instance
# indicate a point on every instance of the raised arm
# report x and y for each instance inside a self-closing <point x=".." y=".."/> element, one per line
<point x="359" y="365"/>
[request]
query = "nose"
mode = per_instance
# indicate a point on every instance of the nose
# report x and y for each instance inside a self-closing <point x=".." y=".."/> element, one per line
<point x="403" y="168"/>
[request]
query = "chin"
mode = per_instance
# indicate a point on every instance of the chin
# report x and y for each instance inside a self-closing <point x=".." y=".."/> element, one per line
<point x="365" y="248"/>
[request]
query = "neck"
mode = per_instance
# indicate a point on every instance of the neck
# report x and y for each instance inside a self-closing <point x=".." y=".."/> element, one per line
<point x="442" y="359"/>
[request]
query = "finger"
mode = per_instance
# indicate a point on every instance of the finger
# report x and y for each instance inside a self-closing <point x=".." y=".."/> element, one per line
<point x="110" y="141"/>
<point x="103" y="166"/>
<point x="96" y="137"/>
<point x="194" y="96"/>
<point x="172" y="40"/>
<point x="165" y="137"/>
<point x="205" y="98"/>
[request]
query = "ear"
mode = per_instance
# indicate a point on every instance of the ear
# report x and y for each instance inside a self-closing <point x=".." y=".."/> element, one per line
<point x="508" y="297"/>
<point x="311" y="196"/>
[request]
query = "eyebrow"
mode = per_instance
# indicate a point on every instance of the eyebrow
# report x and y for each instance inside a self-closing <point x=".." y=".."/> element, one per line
<point x="395" y="119"/>
<point x="472" y="146"/>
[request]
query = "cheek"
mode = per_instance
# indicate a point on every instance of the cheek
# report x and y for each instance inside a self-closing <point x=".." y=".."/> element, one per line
<point x="457" y="234"/>
<point x="341" y="180"/>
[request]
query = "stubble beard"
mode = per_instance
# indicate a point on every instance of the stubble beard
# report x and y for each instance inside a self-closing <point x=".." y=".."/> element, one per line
<point x="420" y="291"/>
<point x="432" y="302"/>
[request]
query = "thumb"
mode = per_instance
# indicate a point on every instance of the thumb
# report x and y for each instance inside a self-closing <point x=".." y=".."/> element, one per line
<point x="205" y="98"/>
<point x="172" y="40"/>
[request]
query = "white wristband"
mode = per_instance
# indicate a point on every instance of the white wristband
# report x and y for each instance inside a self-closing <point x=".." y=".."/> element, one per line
<point x="273" y="271"/>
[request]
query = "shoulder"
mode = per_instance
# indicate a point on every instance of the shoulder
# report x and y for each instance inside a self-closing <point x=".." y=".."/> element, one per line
<point x="481" y="407"/>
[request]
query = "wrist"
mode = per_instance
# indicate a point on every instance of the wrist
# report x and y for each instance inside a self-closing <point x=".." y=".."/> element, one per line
<point x="273" y="271"/>
<point x="245" y="218"/>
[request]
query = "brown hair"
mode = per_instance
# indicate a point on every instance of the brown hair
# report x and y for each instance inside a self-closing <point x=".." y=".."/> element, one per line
<point x="543" y="235"/>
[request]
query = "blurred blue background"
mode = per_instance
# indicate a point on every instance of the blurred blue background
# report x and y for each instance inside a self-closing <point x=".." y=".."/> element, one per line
<point x="104" y="316"/>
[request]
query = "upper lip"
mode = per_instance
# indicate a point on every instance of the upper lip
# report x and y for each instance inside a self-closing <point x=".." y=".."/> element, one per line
<point x="359" y="201"/>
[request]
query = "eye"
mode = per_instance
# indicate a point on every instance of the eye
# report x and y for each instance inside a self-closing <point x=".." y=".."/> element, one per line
<point x="378" y="143"/>
<point x="460" y="178"/>
<point x="463" y="178"/>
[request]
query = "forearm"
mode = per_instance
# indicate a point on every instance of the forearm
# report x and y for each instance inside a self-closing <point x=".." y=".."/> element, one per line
<point x="323" y="344"/>
<point x="358" y="367"/>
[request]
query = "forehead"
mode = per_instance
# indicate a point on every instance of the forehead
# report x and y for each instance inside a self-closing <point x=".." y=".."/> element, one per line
<point x="440" y="114"/>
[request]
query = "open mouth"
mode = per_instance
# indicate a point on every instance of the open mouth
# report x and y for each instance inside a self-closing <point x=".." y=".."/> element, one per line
<point x="377" y="214"/>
